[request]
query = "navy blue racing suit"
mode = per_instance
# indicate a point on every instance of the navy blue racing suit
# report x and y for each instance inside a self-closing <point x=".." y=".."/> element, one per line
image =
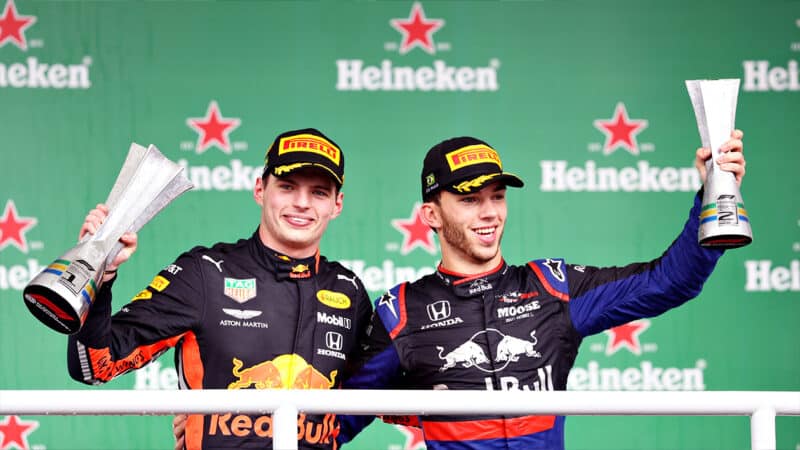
<point x="514" y="327"/>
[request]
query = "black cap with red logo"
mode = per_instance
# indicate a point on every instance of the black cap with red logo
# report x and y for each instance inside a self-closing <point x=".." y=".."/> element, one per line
<point x="463" y="165"/>
<point x="304" y="148"/>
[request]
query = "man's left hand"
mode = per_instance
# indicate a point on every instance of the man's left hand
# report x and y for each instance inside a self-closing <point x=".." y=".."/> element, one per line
<point x="731" y="157"/>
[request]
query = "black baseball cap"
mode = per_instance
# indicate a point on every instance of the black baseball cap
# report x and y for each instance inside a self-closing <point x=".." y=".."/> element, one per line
<point x="304" y="148"/>
<point x="463" y="165"/>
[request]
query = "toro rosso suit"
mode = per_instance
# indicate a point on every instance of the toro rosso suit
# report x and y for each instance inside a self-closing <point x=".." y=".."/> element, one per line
<point x="514" y="327"/>
<point x="241" y="316"/>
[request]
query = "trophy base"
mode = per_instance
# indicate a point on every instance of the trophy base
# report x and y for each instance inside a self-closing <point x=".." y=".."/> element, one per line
<point x="726" y="241"/>
<point x="52" y="309"/>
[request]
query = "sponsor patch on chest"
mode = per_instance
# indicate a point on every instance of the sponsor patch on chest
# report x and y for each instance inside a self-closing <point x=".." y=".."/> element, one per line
<point x="240" y="290"/>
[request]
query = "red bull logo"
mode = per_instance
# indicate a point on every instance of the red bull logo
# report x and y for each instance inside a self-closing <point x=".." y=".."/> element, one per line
<point x="241" y="425"/>
<point x="284" y="372"/>
<point x="471" y="354"/>
<point x="300" y="271"/>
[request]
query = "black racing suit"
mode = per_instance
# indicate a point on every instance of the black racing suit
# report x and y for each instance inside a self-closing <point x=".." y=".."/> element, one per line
<point x="514" y="327"/>
<point x="241" y="316"/>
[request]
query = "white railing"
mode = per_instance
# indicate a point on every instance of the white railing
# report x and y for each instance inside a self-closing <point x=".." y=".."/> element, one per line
<point x="762" y="407"/>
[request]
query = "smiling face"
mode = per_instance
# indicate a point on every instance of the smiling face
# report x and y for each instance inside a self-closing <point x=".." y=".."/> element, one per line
<point x="470" y="228"/>
<point x="295" y="210"/>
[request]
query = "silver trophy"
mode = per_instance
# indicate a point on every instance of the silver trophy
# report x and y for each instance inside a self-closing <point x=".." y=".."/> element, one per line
<point x="61" y="295"/>
<point x="723" y="220"/>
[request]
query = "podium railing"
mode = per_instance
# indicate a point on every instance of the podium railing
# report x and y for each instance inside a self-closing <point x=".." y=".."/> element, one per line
<point x="762" y="407"/>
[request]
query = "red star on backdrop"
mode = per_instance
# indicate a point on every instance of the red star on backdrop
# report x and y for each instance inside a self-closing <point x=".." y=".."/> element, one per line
<point x="620" y="130"/>
<point x="213" y="129"/>
<point x="417" y="30"/>
<point x="13" y="228"/>
<point x="15" y="432"/>
<point x="12" y="26"/>
<point x="415" y="232"/>
<point x="414" y="439"/>
<point x="626" y="336"/>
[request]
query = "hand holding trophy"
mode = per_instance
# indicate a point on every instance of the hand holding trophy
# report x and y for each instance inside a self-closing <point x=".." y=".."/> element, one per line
<point x="61" y="295"/>
<point x="723" y="220"/>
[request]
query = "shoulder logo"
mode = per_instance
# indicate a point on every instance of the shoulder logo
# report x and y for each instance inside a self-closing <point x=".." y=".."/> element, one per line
<point x="387" y="301"/>
<point x="555" y="268"/>
<point x="143" y="295"/>
<point x="240" y="290"/>
<point x="159" y="283"/>
<point x="218" y="264"/>
<point x="352" y="280"/>
<point x="335" y="300"/>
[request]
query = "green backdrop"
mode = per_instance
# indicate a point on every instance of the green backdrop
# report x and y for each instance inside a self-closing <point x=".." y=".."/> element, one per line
<point x="565" y="90"/>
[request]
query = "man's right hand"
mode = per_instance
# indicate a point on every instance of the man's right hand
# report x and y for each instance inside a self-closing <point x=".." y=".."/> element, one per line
<point x="93" y="221"/>
<point x="179" y="430"/>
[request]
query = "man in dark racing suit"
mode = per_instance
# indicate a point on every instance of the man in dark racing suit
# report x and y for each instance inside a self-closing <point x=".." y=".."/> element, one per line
<point x="266" y="312"/>
<point x="478" y="323"/>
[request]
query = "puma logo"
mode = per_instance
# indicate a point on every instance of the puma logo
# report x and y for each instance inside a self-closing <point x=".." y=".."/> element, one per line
<point x="352" y="280"/>
<point x="218" y="264"/>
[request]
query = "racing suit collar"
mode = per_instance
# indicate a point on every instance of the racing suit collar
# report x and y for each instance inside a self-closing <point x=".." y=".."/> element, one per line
<point x="471" y="285"/>
<point x="286" y="267"/>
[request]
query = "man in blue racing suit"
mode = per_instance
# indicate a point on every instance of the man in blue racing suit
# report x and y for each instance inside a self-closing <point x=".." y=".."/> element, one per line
<point x="479" y="323"/>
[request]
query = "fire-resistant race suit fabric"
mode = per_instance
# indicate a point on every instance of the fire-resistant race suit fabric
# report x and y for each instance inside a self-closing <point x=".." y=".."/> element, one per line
<point x="240" y="317"/>
<point x="514" y="327"/>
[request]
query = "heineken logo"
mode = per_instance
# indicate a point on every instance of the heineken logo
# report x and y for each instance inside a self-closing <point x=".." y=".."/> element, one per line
<point x="240" y="290"/>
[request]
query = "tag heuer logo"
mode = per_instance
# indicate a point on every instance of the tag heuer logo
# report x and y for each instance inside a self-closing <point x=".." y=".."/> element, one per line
<point x="240" y="290"/>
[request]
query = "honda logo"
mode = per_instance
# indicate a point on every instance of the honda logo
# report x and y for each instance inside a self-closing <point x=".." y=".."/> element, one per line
<point x="334" y="340"/>
<point x="439" y="310"/>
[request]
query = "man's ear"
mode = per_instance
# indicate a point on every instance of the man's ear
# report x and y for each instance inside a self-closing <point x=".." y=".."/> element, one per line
<point x="337" y="209"/>
<point x="258" y="190"/>
<point x="431" y="215"/>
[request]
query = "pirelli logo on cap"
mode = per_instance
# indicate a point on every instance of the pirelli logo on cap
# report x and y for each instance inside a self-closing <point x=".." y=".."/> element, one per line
<point x="312" y="144"/>
<point x="472" y="154"/>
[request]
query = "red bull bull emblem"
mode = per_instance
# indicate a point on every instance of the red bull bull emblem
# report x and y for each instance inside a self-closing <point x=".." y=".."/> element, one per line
<point x="471" y="354"/>
<point x="300" y="271"/>
<point x="289" y="371"/>
<point x="284" y="372"/>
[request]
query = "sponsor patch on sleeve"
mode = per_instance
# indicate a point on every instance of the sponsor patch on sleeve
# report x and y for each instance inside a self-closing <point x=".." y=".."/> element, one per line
<point x="143" y="295"/>
<point x="159" y="283"/>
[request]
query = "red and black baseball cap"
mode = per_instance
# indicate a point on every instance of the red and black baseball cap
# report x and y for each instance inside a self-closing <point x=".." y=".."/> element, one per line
<point x="463" y="165"/>
<point x="304" y="148"/>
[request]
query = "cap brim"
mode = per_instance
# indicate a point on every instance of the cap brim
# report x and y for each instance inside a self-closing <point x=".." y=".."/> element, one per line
<point x="470" y="186"/>
<point x="282" y="171"/>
